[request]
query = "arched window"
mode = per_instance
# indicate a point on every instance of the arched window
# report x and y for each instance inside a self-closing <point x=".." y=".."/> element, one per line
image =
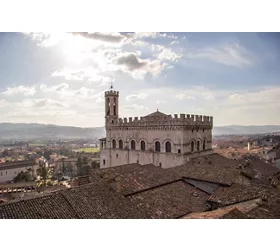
<point x="198" y="145"/>
<point x="108" y="106"/>
<point x="132" y="145"/>
<point x="115" y="112"/>
<point x="143" y="145"/>
<point x="114" y="143"/>
<point x="120" y="144"/>
<point x="204" y="144"/>
<point x="157" y="146"/>
<point x="192" y="146"/>
<point x="168" y="147"/>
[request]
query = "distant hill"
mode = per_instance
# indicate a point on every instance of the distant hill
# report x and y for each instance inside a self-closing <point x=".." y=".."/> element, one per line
<point x="21" y="131"/>
<point x="246" y="130"/>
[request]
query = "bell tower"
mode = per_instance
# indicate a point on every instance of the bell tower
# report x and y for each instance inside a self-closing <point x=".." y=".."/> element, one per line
<point x="111" y="106"/>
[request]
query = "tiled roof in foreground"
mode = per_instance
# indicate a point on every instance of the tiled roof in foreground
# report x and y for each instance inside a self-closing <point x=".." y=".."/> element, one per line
<point x="235" y="214"/>
<point x="91" y="201"/>
<point x="133" y="178"/>
<point x="212" y="168"/>
<point x="169" y="201"/>
<point x="236" y="193"/>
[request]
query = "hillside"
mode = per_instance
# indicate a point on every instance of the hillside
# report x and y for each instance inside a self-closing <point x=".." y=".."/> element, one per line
<point x="21" y="131"/>
<point x="246" y="130"/>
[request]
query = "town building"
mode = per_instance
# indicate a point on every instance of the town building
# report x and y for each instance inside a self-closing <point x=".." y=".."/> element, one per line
<point x="9" y="170"/>
<point x="159" y="139"/>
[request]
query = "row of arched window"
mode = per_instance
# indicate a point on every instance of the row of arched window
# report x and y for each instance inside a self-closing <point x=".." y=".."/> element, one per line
<point x="195" y="146"/>
<point x="198" y="145"/>
<point x="142" y="145"/>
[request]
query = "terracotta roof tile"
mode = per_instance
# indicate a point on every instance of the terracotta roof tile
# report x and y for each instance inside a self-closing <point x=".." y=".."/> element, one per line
<point x="236" y="193"/>
<point x="89" y="201"/>
<point x="97" y="200"/>
<point x="172" y="200"/>
<point x="212" y="168"/>
<point x="52" y="206"/>
<point x="135" y="177"/>
<point x="235" y="214"/>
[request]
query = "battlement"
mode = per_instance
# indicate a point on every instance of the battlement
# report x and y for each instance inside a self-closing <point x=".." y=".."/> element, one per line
<point x="182" y="119"/>
<point x="111" y="92"/>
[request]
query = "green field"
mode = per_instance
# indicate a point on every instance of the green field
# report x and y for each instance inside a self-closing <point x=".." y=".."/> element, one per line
<point x="88" y="150"/>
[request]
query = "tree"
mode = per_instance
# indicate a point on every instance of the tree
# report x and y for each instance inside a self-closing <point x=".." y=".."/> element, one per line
<point x="47" y="154"/>
<point x="69" y="169"/>
<point x="63" y="165"/>
<point x="83" y="166"/>
<point x="24" y="176"/>
<point x="44" y="173"/>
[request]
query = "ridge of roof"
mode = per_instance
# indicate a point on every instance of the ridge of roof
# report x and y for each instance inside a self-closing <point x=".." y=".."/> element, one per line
<point x="157" y="113"/>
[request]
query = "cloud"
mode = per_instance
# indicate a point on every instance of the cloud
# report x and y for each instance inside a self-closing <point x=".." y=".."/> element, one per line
<point x="34" y="104"/>
<point x="140" y="35"/>
<point x="164" y="53"/>
<point x="269" y="95"/>
<point x="3" y="103"/>
<point x="184" y="96"/>
<point x="230" y="55"/>
<point x="47" y="39"/>
<point x="21" y="89"/>
<point x="49" y="103"/>
<point x="105" y="37"/>
<point x="134" y="107"/>
<point x="55" y="88"/>
<point x="136" y="96"/>
<point x="64" y="91"/>
<point x="89" y="74"/>
<point x="132" y="64"/>
<point x="174" y="42"/>
<point x="131" y="61"/>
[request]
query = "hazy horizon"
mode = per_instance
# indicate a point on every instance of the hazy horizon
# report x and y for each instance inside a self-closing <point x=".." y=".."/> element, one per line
<point x="60" y="78"/>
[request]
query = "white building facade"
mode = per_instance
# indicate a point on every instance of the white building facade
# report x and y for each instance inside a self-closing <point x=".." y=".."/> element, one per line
<point x="159" y="139"/>
<point x="9" y="170"/>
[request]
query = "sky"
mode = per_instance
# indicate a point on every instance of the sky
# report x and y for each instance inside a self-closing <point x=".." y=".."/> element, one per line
<point x="60" y="78"/>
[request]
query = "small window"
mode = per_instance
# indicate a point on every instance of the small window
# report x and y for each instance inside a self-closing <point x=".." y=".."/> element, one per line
<point x="179" y="151"/>
<point x="168" y="147"/>
<point x="204" y="145"/>
<point x="197" y="130"/>
<point x="198" y="146"/>
<point x="1" y="174"/>
<point x="137" y="162"/>
<point x="120" y="144"/>
<point x="192" y="146"/>
<point x="143" y="145"/>
<point x="117" y="155"/>
<point x="157" y="146"/>
<point x="114" y="143"/>
<point x="203" y="130"/>
<point x="132" y="145"/>
<point x="160" y="164"/>
<point x="103" y="162"/>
